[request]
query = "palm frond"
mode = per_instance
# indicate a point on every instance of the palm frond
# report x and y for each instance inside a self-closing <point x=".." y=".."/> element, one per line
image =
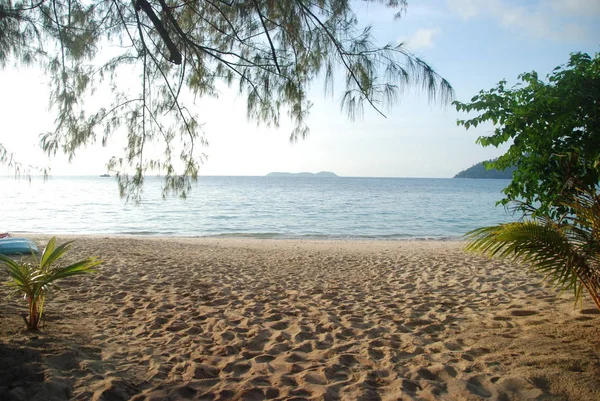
<point x="8" y="261"/>
<point x="36" y="280"/>
<point x="84" y="266"/>
<point x="51" y="255"/>
<point x="566" y="250"/>
<point x="48" y="251"/>
<point x="544" y="246"/>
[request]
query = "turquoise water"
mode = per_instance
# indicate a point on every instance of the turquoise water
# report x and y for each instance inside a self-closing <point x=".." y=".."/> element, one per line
<point x="279" y="207"/>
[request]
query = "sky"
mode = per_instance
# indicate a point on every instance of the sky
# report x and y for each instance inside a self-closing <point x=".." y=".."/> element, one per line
<point x="472" y="43"/>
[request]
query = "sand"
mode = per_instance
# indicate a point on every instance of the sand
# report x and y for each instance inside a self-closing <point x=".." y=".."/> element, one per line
<point x="246" y="319"/>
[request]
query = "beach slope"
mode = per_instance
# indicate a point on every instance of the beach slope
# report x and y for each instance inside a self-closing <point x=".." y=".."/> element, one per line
<point x="221" y="319"/>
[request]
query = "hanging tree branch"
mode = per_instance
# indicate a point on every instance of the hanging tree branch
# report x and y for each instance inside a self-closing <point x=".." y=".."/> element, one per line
<point x="175" y="56"/>
<point x="272" y="50"/>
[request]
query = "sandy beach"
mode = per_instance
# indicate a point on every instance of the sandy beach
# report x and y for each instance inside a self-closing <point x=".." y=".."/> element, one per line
<point x="250" y="319"/>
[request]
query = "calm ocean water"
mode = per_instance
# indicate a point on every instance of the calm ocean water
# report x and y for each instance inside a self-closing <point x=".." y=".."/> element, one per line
<point x="290" y="207"/>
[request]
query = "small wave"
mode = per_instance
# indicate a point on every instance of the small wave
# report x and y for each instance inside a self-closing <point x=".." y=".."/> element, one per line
<point x="255" y="235"/>
<point x="386" y="237"/>
<point x="145" y="233"/>
<point x="242" y="235"/>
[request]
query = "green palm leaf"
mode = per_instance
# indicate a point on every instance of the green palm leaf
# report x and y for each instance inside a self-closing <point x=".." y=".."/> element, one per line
<point x="52" y="254"/>
<point x="35" y="280"/>
<point x="565" y="251"/>
<point x="84" y="266"/>
<point x="48" y="251"/>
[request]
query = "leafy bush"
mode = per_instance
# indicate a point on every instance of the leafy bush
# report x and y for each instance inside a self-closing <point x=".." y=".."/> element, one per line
<point x="553" y="129"/>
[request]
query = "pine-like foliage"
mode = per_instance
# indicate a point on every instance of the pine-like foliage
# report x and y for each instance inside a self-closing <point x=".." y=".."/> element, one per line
<point x="271" y="50"/>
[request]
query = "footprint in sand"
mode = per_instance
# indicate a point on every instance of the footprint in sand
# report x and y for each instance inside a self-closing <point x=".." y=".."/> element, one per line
<point x="523" y="312"/>
<point x="375" y="355"/>
<point x="264" y="359"/>
<point x="475" y="387"/>
<point x="294" y="357"/>
<point x="261" y="381"/>
<point x="306" y="347"/>
<point x="158" y="322"/>
<point x="237" y="369"/>
<point x="315" y="378"/>
<point x="279" y="326"/>
<point x="426" y="374"/>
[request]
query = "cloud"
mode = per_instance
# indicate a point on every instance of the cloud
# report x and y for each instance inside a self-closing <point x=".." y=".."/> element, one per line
<point x="467" y="9"/>
<point x="422" y="38"/>
<point x="577" y="7"/>
<point x="555" y="19"/>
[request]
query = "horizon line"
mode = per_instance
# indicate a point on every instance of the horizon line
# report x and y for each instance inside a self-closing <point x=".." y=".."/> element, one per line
<point x="50" y="176"/>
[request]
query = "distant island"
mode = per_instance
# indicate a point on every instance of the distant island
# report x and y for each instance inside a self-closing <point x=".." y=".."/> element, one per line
<point x="322" y="174"/>
<point x="479" y="171"/>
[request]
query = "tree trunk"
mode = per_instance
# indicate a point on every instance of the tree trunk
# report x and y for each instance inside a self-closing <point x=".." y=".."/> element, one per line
<point x="33" y="316"/>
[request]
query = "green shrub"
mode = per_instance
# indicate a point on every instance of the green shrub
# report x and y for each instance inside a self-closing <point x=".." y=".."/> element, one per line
<point x="34" y="277"/>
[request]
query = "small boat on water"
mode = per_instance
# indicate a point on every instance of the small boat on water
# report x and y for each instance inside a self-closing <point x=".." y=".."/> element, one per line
<point x="14" y="246"/>
<point x="105" y="175"/>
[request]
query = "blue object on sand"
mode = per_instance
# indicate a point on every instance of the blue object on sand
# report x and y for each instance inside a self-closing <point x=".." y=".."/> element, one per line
<point x="13" y="246"/>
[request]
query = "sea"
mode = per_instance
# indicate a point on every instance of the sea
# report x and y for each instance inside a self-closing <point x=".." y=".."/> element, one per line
<point x="259" y="207"/>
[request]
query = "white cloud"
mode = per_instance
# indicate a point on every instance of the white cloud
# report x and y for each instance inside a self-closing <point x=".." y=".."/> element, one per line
<point x="577" y="7"/>
<point x="555" y="19"/>
<point x="467" y="8"/>
<point x="422" y="38"/>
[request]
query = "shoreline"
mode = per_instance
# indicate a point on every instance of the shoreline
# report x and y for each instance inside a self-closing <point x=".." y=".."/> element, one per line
<point x="250" y="237"/>
<point x="234" y="318"/>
